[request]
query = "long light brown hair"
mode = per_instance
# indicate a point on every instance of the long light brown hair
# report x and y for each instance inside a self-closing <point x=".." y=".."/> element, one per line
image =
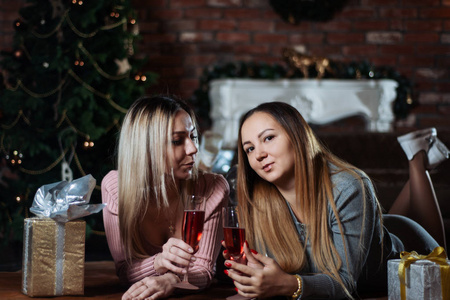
<point x="144" y="141"/>
<point x="265" y="213"/>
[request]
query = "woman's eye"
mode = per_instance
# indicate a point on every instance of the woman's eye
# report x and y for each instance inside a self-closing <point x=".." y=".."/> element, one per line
<point x="177" y="142"/>
<point x="268" y="138"/>
<point x="248" y="150"/>
<point x="194" y="138"/>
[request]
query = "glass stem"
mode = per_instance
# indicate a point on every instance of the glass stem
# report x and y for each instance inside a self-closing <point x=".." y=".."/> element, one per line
<point x="185" y="277"/>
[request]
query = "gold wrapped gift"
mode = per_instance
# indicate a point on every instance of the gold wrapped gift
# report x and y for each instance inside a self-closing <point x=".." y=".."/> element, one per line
<point x="53" y="257"/>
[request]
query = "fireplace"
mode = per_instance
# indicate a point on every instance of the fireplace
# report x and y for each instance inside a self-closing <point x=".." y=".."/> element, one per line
<point x="319" y="101"/>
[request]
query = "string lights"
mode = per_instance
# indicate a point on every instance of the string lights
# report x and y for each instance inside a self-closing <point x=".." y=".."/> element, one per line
<point x="15" y="159"/>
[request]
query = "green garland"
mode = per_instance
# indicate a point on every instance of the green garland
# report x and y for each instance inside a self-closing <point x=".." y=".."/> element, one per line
<point x="354" y="70"/>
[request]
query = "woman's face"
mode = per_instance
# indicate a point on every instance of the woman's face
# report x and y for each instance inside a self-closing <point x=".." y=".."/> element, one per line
<point x="269" y="151"/>
<point x="183" y="150"/>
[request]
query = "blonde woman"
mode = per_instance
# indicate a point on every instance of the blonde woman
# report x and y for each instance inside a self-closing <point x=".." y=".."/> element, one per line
<point x="156" y="169"/>
<point x="314" y="227"/>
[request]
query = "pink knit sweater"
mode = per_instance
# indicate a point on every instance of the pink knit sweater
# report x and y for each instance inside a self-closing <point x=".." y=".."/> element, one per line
<point x="201" y="273"/>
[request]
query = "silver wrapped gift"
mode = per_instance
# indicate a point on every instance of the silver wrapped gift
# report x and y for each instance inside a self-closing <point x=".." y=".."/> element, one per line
<point x="54" y="241"/>
<point x="423" y="280"/>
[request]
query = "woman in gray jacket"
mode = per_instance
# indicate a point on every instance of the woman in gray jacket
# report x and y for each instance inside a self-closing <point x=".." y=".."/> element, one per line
<point x="313" y="223"/>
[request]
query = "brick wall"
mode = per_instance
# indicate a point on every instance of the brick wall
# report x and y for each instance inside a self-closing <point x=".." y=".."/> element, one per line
<point x="182" y="37"/>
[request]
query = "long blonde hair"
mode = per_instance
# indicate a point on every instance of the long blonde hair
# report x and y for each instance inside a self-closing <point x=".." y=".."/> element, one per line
<point x="265" y="213"/>
<point x="144" y="141"/>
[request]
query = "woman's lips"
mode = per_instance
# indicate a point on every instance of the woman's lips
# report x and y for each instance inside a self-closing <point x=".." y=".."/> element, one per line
<point x="267" y="167"/>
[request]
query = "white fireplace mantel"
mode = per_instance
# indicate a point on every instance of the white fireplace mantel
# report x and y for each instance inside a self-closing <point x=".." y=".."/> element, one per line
<point x="319" y="101"/>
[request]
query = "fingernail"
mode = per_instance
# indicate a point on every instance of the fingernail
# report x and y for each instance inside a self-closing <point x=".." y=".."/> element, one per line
<point x="225" y="251"/>
<point x="236" y="289"/>
<point x="193" y="258"/>
<point x="254" y="251"/>
<point x="246" y="243"/>
<point x="227" y="264"/>
<point x="226" y="272"/>
<point x="190" y="250"/>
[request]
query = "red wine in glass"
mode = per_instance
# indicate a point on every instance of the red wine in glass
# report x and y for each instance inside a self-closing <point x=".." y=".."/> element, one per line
<point x="234" y="239"/>
<point x="193" y="227"/>
<point x="194" y="217"/>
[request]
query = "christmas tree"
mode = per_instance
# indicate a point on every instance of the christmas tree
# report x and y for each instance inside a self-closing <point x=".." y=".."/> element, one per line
<point x="71" y="75"/>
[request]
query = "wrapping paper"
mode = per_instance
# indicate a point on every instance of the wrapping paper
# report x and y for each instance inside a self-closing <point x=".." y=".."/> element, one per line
<point x="423" y="280"/>
<point x="54" y="241"/>
<point x="53" y="257"/>
<point x="64" y="201"/>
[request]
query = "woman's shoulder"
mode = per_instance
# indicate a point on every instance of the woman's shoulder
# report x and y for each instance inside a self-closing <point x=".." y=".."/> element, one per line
<point x="346" y="178"/>
<point x="110" y="180"/>
<point x="213" y="181"/>
<point x="213" y="185"/>
<point x="110" y="190"/>
<point x="352" y="186"/>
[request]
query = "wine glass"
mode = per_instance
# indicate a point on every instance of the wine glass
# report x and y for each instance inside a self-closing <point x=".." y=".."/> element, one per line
<point x="194" y="217"/>
<point x="234" y="236"/>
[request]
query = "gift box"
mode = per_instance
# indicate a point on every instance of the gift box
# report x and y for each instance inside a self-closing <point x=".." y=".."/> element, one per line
<point x="53" y="257"/>
<point x="54" y="241"/>
<point x="415" y="277"/>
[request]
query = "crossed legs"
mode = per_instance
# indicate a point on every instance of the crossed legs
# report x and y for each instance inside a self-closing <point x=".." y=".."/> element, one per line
<point x="417" y="200"/>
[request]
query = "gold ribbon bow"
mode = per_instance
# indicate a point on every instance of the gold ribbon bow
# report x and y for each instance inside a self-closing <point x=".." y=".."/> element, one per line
<point x="437" y="256"/>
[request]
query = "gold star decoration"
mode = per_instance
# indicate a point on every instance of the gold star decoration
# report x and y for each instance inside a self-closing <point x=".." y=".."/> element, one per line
<point x="123" y="65"/>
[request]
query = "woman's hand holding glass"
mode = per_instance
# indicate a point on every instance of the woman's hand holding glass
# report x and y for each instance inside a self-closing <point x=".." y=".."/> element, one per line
<point x="176" y="255"/>
<point x="260" y="277"/>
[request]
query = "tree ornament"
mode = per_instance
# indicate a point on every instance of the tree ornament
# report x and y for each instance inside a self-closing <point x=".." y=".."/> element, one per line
<point x="134" y="27"/>
<point x="123" y="66"/>
<point x="129" y="46"/>
<point x="66" y="172"/>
